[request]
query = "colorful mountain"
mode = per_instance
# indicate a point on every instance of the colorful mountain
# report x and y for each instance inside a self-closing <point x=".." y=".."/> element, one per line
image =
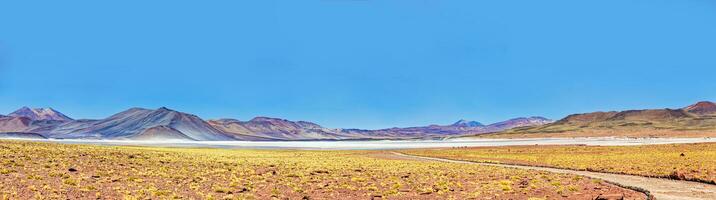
<point x="165" y="124"/>
<point x="698" y="118"/>
<point x="277" y="129"/>
<point x="702" y="108"/>
<point x="40" y="114"/>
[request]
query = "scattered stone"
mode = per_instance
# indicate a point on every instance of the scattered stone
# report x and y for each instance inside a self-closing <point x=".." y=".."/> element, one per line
<point x="677" y="175"/>
<point x="376" y="196"/>
<point x="682" y="154"/>
<point x="426" y="192"/>
<point x="524" y="183"/>
<point x="266" y="171"/>
<point x="610" y="197"/>
<point x="72" y="169"/>
<point x="319" y="172"/>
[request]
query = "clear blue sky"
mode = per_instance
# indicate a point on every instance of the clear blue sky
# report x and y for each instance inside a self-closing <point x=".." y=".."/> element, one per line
<point x="357" y="63"/>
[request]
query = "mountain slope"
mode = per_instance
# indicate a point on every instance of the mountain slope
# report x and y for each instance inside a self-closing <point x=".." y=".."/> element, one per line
<point x="161" y="133"/>
<point x="461" y="127"/>
<point x="63" y="129"/>
<point x="519" y="122"/>
<point x="21" y="135"/>
<point x="281" y="129"/>
<point x="274" y="128"/>
<point x="135" y="121"/>
<point x="410" y="132"/>
<point x="697" y="118"/>
<point x="14" y="124"/>
<point x="24" y="124"/>
<point x="40" y="114"/>
<point x="702" y="108"/>
<point x="163" y="123"/>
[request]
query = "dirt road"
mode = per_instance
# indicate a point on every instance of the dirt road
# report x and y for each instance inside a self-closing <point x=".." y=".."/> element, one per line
<point x="661" y="189"/>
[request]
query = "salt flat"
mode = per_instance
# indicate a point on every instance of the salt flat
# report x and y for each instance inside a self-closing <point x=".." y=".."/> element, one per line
<point x="387" y="144"/>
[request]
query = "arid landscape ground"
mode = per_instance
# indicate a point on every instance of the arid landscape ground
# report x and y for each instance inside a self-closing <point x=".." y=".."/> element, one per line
<point x="528" y="158"/>
<point x="39" y="170"/>
<point x="694" y="162"/>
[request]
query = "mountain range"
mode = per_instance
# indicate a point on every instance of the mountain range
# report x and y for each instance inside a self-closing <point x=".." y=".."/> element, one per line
<point x="167" y="124"/>
<point x="699" y="118"/>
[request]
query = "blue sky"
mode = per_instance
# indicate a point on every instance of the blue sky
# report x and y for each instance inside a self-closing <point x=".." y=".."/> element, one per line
<point x="357" y="63"/>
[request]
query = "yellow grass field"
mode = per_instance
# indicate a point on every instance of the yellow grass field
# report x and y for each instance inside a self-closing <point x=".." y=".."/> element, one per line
<point x="34" y="170"/>
<point x="695" y="162"/>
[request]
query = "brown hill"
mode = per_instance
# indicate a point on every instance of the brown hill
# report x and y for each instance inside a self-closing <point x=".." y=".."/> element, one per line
<point x="694" y="120"/>
<point x="14" y="124"/>
<point x="702" y="108"/>
<point x="586" y="118"/>
<point x="275" y="128"/>
<point x="281" y="129"/>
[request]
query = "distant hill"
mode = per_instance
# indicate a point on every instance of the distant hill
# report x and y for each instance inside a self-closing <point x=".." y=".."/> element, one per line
<point x="459" y="128"/>
<point x="702" y="108"/>
<point x="696" y="118"/>
<point x="145" y="123"/>
<point x="519" y="122"/>
<point x="14" y="124"/>
<point x="135" y="123"/>
<point x="277" y="129"/>
<point x="281" y="129"/>
<point x="466" y="123"/>
<point x="164" y="124"/>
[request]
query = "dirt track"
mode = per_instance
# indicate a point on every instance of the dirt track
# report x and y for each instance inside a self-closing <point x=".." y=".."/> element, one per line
<point x="661" y="189"/>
